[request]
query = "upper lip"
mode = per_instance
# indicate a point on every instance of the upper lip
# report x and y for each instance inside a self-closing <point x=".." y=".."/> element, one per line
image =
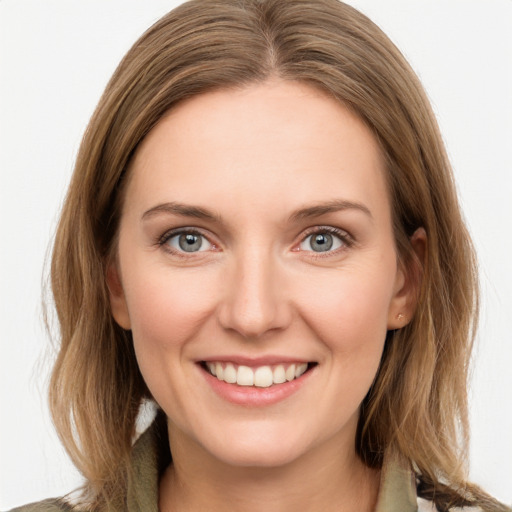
<point x="268" y="360"/>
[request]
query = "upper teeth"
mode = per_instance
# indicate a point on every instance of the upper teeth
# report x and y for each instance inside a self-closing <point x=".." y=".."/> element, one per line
<point x="261" y="376"/>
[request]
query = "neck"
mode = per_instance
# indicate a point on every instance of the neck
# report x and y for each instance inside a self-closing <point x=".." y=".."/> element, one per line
<point x="324" y="479"/>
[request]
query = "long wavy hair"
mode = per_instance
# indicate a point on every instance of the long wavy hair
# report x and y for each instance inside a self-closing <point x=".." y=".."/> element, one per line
<point x="417" y="406"/>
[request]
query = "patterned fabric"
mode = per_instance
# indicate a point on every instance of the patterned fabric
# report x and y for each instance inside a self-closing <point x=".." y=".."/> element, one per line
<point x="397" y="490"/>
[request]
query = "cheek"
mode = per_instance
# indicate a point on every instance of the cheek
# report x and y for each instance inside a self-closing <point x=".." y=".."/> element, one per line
<point x="166" y="311"/>
<point x="350" y="311"/>
<point x="350" y="320"/>
<point x="167" y="307"/>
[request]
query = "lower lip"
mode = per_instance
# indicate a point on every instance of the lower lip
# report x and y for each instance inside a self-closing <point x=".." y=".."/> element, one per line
<point x="252" y="396"/>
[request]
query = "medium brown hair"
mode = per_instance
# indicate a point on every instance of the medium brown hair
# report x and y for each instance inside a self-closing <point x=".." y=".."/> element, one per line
<point x="417" y="407"/>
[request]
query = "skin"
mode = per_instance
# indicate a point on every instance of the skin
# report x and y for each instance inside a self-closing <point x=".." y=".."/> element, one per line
<point x="253" y="158"/>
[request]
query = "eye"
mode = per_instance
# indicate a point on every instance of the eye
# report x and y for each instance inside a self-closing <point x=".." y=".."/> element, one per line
<point x="324" y="240"/>
<point x="188" y="241"/>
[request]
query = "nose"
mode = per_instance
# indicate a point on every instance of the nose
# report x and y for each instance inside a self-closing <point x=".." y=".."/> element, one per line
<point x="255" y="301"/>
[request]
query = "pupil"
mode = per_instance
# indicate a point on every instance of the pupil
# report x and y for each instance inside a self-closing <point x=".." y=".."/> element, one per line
<point x="190" y="243"/>
<point x="322" y="242"/>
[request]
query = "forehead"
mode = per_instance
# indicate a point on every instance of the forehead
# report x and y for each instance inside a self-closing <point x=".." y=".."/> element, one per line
<point x="277" y="142"/>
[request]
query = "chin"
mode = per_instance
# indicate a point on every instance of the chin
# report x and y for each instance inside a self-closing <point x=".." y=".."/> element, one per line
<point x="258" y="447"/>
<point x="257" y="457"/>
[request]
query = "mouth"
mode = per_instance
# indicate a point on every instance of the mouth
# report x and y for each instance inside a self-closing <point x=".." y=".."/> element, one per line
<point x="264" y="376"/>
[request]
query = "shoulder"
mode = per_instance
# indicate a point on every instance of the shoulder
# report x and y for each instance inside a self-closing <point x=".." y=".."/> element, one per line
<point x="52" y="505"/>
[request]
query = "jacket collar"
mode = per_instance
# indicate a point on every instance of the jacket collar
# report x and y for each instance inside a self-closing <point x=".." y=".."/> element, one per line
<point x="397" y="491"/>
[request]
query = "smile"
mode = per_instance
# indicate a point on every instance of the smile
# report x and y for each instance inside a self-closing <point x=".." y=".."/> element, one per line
<point x="260" y="376"/>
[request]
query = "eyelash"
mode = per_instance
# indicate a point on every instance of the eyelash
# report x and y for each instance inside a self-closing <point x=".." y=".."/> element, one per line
<point x="345" y="238"/>
<point x="168" y="235"/>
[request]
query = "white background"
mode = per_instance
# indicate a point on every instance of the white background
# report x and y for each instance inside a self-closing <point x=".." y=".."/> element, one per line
<point x="55" y="59"/>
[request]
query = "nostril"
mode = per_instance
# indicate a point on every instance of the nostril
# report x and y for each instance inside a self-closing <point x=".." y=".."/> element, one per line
<point x="253" y="305"/>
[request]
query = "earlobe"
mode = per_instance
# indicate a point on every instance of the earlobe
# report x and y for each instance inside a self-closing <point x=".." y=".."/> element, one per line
<point x="408" y="283"/>
<point x="117" y="298"/>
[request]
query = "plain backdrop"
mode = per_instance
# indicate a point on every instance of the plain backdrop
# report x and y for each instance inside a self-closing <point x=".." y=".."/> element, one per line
<point x="55" y="59"/>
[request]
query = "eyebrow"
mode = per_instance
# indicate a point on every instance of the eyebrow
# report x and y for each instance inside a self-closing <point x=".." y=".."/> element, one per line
<point x="198" y="212"/>
<point x="336" y="205"/>
<point x="183" y="210"/>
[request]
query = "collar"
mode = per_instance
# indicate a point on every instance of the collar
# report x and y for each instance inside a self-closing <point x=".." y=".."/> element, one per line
<point x="397" y="491"/>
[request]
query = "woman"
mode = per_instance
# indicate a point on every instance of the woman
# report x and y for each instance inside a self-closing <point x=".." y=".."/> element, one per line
<point x="262" y="235"/>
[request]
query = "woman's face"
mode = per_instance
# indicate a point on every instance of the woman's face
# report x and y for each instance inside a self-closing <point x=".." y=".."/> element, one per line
<point x="256" y="244"/>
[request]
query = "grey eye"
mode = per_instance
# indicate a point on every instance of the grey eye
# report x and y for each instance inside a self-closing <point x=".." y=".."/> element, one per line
<point x="321" y="242"/>
<point x="189" y="242"/>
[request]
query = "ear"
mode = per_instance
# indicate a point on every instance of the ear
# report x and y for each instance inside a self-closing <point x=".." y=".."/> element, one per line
<point x="408" y="283"/>
<point x="117" y="298"/>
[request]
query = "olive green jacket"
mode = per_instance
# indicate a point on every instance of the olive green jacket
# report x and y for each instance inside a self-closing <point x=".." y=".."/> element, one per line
<point x="397" y="490"/>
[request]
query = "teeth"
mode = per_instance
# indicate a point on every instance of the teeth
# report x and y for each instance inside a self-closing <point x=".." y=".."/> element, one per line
<point x="219" y="371"/>
<point x="230" y="374"/>
<point x="262" y="377"/>
<point x="290" y="372"/>
<point x="300" y="369"/>
<point x="211" y="367"/>
<point x="279" y="374"/>
<point x="244" y="376"/>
